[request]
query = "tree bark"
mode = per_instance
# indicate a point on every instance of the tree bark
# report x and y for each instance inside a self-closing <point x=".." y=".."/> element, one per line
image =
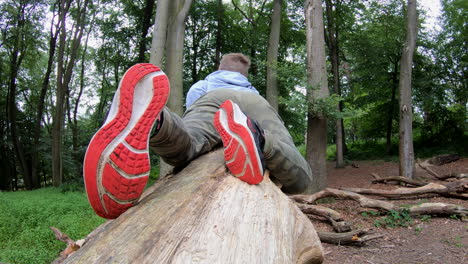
<point x="318" y="89"/>
<point x="145" y="25"/>
<point x="390" y="108"/>
<point x="159" y="34"/>
<point x="219" y="36"/>
<point x="204" y="215"/>
<point x="272" y="92"/>
<point x="406" y="155"/>
<point x="334" y="51"/>
<point x="54" y="30"/>
<point x="175" y="53"/>
<point x="16" y="58"/>
<point x="170" y="15"/>
<point x="64" y="75"/>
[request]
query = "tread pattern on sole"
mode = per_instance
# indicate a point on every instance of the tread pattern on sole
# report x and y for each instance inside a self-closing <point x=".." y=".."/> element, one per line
<point x="115" y="178"/>
<point x="240" y="151"/>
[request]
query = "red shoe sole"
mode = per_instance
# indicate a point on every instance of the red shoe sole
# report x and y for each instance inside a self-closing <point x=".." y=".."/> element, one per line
<point x="240" y="150"/>
<point x="116" y="165"/>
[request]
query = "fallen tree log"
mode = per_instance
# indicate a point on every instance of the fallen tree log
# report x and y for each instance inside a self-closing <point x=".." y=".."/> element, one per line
<point x="204" y="215"/>
<point x="441" y="209"/>
<point x="453" y="175"/>
<point x="452" y="189"/>
<point x="399" y="179"/>
<point x="443" y="159"/>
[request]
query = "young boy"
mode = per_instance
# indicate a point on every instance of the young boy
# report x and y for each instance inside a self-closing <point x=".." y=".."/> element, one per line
<point x="224" y="108"/>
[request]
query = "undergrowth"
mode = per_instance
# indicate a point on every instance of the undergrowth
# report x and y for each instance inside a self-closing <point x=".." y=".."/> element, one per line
<point x="26" y="218"/>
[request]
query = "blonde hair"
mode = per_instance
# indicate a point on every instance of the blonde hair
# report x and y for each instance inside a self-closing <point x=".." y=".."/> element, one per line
<point x="236" y="62"/>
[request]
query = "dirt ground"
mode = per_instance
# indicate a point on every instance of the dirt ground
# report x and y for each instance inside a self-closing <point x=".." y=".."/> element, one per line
<point x="429" y="241"/>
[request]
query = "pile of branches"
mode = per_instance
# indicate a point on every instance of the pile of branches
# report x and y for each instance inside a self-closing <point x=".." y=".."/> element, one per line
<point x="453" y="185"/>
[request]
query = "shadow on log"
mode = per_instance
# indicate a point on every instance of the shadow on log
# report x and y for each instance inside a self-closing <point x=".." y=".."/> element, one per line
<point x="204" y="215"/>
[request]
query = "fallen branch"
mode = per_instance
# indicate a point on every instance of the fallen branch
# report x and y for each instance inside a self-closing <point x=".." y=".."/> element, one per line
<point x="429" y="170"/>
<point x="330" y="192"/>
<point x="443" y="159"/>
<point x="72" y="246"/>
<point x="438" y="209"/>
<point x="400" y="179"/>
<point x="355" y="237"/>
<point x="339" y="225"/>
<point x="421" y="209"/>
<point x="452" y="189"/>
<point x="320" y="211"/>
<point x="454" y="175"/>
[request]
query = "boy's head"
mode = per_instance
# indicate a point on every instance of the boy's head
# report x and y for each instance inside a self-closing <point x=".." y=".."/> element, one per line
<point x="236" y="62"/>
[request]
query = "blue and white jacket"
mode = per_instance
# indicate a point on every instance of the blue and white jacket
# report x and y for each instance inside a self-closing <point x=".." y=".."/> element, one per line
<point x="218" y="80"/>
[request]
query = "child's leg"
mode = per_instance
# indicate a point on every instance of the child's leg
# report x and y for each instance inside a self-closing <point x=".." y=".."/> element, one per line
<point x="116" y="164"/>
<point x="281" y="156"/>
<point x="180" y="140"/>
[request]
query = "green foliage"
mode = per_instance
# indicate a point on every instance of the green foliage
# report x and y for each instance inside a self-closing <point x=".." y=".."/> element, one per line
<point x="454" y="217"/>
<point x="425" y="218"/>
<point x="417" y="230"/>
<point x="394" y="219"/>
<point x="455" y="241"/>
<point x="368" y="214"/>
<point x="25" y="236"/>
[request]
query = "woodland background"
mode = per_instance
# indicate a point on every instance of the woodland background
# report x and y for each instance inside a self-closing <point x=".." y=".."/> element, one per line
<point x="60" y="64"/>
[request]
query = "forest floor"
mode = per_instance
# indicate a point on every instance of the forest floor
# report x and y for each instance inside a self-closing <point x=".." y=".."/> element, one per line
<point x="427" y="240"/>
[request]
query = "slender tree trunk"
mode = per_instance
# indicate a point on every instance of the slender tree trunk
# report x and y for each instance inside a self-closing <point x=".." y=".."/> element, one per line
<point x="41" y="102"/>
<point x="63" y="80"/>
<point x="272" y="56"/>
<point x="333" y="50"/>
<point x="407" y="167"/>
<point x="318" y="89"/>
<point x="175" y="53"/>
<point x="59" y="100"/>
<point x="74" y="121"/>
<point x="195" y="47"/>
<point x="16" y="58"/>
<point x="170" y="15"/>
<point x="390" y="108"/>
<point x="146" y="24"/>
<point x="159" y="34"/>
<point x="219" y="40"/>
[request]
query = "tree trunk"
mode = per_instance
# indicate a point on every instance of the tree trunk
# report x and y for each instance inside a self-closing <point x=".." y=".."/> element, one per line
<point x="390" y="108"/>
<point x="16" y="58"/>
<point x="406" y="155"/>
<point x="170" y="15"/>
<point x="333" y="50"/>
<point x="59" y="100"/>
<point x="145" y="25"/>
<point x="41" y="102"/>
<point x="175" y="53"/>
<point x="204" y="215"/>
<point x="272" y="56"/>
<point x="64" y="75"/>
<point x="219" y="40"/>
<point x="318" y="89"/>
<point x="158" y="43"/>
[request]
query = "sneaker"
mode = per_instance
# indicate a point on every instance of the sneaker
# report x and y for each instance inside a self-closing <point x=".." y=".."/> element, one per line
<point x="242" y="141"/>
<point x="116" y="165"/>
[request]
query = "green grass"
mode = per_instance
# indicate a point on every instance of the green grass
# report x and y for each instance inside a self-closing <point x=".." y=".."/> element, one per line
<point x="25" y="218"/>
